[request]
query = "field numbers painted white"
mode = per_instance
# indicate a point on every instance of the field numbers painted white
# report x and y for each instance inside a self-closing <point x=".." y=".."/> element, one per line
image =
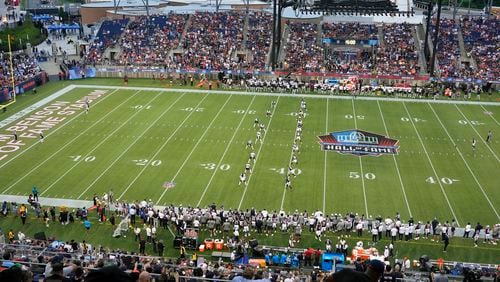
<point x="212" y="166"/>
<point x="357" y="117"/>
<point x="294" y="114"/>
<point x="242" y="112"/>
<point x="283" y="170"/>
<point x="142" y="107"/>
<point x="357" y="175"/>
<point x="143" y="162"/>
<point x="473" y="122"/>
<point x="444" y="180"/>
<point x="407" y="119"/>
<point x="80" y="157"/>
<point x="193" y="109"/>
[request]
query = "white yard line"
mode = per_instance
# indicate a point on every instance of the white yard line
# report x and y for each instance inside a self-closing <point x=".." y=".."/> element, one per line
<point x="317" y="96"/>
<point x="360" y="161"/>
<point x="491" y="116"/>
<point x="98" y="145"/>
<point x="195" y="147"/>
<point x="68" y="143"/>
<point x="479" y="135"/>
<point x="466" y="163"/>
<point x="225" y="152"/>
<point x="55" y="130"/>
<point x="324" y="167"/>
<point x="130" y="146"/>
<point x="161" y="148"/>
<point x="395" y="162"/>
<point x="268" y="127"/>
<point x="432" y="166"/>
<point x="286" y="168"/>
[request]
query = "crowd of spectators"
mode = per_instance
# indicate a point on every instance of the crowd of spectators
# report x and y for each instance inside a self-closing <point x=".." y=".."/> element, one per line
<point x="237" y="227"/>
<point x="303" y="51"/>
<point x="212" y="40"/>
<point x="349" y="31"/>
<point x="258" y="39"/>
<point x="25" y="67"/>
<point x="151" y="46"/>
<point x="448" y="49"/>
<point x="107" y="36"/>
<point x="397" y="54"/>
<point x="482" y="41"/>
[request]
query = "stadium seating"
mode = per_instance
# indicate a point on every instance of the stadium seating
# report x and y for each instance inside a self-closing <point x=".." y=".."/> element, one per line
<point x="397" y="55"/>
<point x="481" y="40"/>
<point x="258" y="39"/>
<point x="212" y="40"/>
<point x="354" y="60"/>
<point x="107" y="36"/>
<point x="25" y="67"/>
<point x="303" y="52"/>
<point x="143" y="46"/>
<point x="448" y="55"/>
<point x="216" y="41"/>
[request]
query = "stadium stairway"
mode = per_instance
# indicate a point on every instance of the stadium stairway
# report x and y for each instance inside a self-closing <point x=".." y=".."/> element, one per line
<point x="380" y="35"/>
<point x="284" y="40"/>
<point x="464" y="57"/>
<point x="418" y="38"/>
<point x="179" y="49"/>
<point x="319" y="37"/>
<point x="243" y="50"/>
<point x="245" y="32"/>
<point x="117" y="50"/>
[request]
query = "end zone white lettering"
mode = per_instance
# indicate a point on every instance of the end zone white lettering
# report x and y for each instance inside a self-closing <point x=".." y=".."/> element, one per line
<point x="41" y="121"/>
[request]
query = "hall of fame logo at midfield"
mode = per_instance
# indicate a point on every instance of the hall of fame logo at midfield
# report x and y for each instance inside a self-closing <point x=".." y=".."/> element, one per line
<point x="359" y="143"/>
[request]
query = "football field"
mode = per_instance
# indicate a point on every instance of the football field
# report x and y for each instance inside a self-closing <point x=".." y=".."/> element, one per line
<point x="189" y="148"/>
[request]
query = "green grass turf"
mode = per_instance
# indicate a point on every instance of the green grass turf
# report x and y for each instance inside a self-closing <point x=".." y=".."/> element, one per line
<point x="100" y="235"/>
<point x="198" y="141"/>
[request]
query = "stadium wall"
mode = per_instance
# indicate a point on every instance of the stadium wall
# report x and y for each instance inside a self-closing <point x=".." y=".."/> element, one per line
<point x="22" y="87"/>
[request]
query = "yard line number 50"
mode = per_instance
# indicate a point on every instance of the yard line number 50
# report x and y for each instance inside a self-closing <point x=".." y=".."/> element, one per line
<point x="357" y="175"/>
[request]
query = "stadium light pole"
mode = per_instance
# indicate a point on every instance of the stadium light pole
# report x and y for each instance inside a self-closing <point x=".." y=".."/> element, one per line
<point x="436" y="35"/>
<point x="428" y="27"/>
<point x="273" y="51"/>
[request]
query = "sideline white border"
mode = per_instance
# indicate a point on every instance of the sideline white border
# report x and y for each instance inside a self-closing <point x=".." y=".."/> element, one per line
<point x="319" y="96"/>
<point x="59" y="93"/>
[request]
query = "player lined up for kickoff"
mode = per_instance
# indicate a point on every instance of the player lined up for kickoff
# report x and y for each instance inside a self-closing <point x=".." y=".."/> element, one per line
<point x="489" y="137"/>
<point x="256" y="122"/>
<point x="258" y="138"/>
<point x="268" y="113"/>
<point x="252" y="157"/>
<point x="243" y="179"/>
<point x="288" y="182"/>
<point x="262" y="127"/>
<point x="303" y="105"/>
<point x="249" y="144"/>
<point x="291" y="171"/>
<point x="248" y="168"/>
<point x="87" y="105"/>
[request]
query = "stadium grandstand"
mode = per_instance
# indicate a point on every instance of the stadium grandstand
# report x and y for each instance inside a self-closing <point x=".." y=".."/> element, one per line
<point x="117" y="167"/>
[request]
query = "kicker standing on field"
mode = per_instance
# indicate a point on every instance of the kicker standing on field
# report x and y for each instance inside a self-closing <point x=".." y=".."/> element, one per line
<point x="488" y="138"/>
<point x="474" y="144"/>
